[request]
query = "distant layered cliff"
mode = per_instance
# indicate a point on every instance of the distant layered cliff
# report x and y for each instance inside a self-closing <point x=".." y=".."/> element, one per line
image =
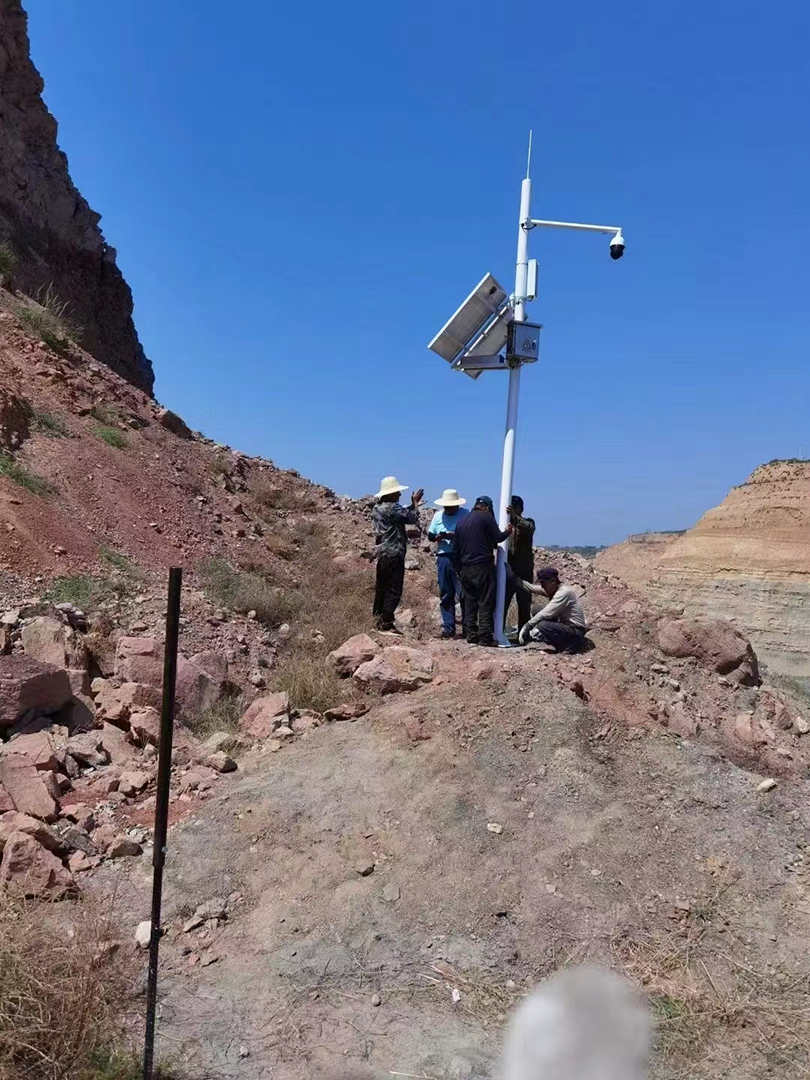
<point x="747" y="560"/>
<point x="51" y="228"/>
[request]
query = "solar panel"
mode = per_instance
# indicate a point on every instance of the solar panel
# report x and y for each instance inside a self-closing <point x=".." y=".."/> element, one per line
<point x="481" y="305"/>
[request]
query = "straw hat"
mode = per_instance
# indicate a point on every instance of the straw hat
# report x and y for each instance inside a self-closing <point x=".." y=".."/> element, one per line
<point x="450" y="497"/>
<point x="389" y="486"/>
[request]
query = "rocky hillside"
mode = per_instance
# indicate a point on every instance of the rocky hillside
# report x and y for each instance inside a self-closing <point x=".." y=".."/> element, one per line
<point x="50" y="227"/>
<point x="747" y="560"/>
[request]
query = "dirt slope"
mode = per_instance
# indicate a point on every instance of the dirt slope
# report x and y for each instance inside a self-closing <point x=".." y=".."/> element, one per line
<point x="646" y="852"/>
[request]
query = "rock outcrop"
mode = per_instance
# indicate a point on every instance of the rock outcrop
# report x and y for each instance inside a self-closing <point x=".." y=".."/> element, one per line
<point x="51" y="228"/>
<point x="747" y="560"/>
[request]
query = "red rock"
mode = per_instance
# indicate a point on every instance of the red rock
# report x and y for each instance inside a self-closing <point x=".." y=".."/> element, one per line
<point x="220" y="762"/>
<point x="87" y="749"/>
<point x="347" y="711"/>
<point x="265" y="715"/>
<point x="396" y="669"/>
<point x="348" y="657"/>
<point x="40" y="747"/>
<point x="415" y="729"/>
<point x="749" y="732"/>
<point x="29" y="870"/>
<point x="19" y="777"/>
<point x="139" y="660"/>
<point x="81" y="814"/>
<point x="199" y="778"/>
<point x="145" y="727"/>
<point x="123" y="847"/>
<point x="715" y="643"/>
<point x="173" y="423"/>
<point x="22" y="823"/>
<point x="27" y="684"/>
<point x="6" y="802"/>
<point x="132" y="783"/>
<point x="116" y="745"/>
<point x="51" y="641"/>
<point x="201" y="682"/>
<point x="79" y="861"/>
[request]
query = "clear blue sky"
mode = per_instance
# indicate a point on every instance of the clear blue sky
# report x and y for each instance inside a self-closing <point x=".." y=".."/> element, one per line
<point x="301" y="194"/>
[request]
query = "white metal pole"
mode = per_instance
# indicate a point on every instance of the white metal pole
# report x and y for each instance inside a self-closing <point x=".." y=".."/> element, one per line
<point x="521" y="279"/>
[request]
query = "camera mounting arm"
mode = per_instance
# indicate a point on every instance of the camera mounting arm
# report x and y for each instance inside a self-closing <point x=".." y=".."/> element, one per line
<point x="533" y="222"/>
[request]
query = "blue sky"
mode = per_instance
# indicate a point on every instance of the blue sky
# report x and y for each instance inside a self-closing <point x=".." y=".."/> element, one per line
<point x="301" y="194"/>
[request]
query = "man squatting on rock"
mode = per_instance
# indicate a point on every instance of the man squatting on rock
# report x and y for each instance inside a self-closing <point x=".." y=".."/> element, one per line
<point x="389" y="520"/>
<point x="560" y="625"/>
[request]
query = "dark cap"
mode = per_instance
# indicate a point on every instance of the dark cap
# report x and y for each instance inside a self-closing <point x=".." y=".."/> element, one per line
<point x="484" y="500"/>
<point x="547" y="573"/>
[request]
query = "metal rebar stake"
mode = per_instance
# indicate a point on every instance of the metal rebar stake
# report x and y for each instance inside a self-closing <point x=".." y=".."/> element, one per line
<point x="162" y="807"/>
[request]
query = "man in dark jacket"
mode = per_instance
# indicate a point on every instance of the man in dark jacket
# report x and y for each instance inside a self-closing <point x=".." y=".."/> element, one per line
<point x="520" y="561"/>
<point x="389" y="520"/>
<point x="477" y="536"/>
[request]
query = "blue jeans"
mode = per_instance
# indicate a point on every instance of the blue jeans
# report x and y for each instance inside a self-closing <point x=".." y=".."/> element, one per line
<point x="449" y="591"/>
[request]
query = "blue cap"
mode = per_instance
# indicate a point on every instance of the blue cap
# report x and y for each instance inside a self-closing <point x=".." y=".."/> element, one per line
<point x="484" y="500"/>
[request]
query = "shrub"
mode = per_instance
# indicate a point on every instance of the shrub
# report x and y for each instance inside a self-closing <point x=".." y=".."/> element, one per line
<point x="48" y="318"/>
<point x="222" y="716"/>
<point x="106" y="414"/>
<point x="244" y="591"/>
<point x="18" y="473"/>
<point x="309" y="680"/>
<point x="8" y="262"/>
<point x="50" y="424"/>
<point x="60" y="997"/>
<point x="269" y="496"/>
<point x="112" y="437"/>
<point x="81" y="590"/>
<point x="121" y="562"/>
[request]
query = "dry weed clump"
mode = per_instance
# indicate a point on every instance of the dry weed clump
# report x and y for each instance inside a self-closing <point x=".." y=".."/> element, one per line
<point x="272" y="496"/>
<point x="243" y="591"/>
<point x="60" y="996"/>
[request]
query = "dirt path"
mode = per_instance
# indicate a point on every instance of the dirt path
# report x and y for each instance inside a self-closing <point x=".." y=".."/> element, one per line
<point x="647" y="852"/>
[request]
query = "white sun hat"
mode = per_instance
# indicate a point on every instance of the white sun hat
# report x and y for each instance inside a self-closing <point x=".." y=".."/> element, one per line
<point x="389" y="486"/>
<point x="450" y="497"/>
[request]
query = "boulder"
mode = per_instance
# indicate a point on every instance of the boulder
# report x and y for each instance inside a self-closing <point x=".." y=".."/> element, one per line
<point x="87" y="749"/>
<point x="174" y="423"/>
<point x="201" y="682"/>
<point x="132" y="783"/>
<point x="348" y="657"/>
<point x="44" y="748"/>
<point x="144" y="727"/>
<point x="123" y="847"/>
<point x="713" y="642"/>
<point x="265" y="715"/>
<point x="30" y="870"/>
<point x="347" y="711"/>
<point x="396" y="669"/>
<point x="220" y="762"/>
<point x="139" y="660"/>
<point x="15" y="822"/>
<point x="220" y="740"/>
<point x="24" y="784"/>
<point x="27" y="684"/>
<point x="52" y="641"/>
<point x="116" y="745"/>
<point x="6" y="802"/>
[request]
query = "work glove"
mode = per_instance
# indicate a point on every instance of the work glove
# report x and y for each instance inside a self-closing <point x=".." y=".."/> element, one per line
<point x="523" y="636"/>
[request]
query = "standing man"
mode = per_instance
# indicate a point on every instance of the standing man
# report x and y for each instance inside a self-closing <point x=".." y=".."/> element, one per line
<point x="389" y="520"/>
<point x="477" y="536"/>
<point x="441" y="532"/>
<point x="520" y="561"/>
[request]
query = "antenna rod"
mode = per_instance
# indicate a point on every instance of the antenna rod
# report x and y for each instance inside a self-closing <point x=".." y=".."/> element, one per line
<point x="529" y="159"/>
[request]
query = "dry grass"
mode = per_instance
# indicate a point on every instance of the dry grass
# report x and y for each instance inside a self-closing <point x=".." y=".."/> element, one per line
<point x="243" y="591"/>
<point x="268" y="495"/>
<point x="61" y="996"/>
<point x="710" y="1005"/>
<point x="48" y="318"/>
<point x="222" y="716"/>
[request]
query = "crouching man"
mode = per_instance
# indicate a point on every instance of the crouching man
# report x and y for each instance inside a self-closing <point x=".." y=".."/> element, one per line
<point x="560" y="625"/>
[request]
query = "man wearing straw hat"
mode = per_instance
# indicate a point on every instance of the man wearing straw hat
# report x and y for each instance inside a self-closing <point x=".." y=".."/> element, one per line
<point x="451" y="511"/>
<point x="389" y="520"/>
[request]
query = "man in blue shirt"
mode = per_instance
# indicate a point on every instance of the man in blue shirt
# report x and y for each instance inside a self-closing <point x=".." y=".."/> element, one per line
<point x="441" y="532"/>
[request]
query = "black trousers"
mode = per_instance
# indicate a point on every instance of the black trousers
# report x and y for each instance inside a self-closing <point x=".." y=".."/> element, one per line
<point x="478" y="587"/>
<point x="388" y="592"/>
<point x="514" y="591"/>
